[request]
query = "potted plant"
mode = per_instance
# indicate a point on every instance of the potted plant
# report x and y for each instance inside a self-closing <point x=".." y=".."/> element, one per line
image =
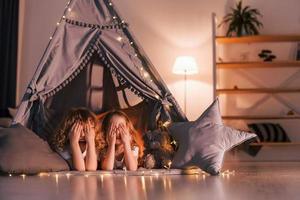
<point x="242" y="21"/>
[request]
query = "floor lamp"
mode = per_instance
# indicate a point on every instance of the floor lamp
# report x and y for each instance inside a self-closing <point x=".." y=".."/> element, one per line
<point x="185" y="65"/>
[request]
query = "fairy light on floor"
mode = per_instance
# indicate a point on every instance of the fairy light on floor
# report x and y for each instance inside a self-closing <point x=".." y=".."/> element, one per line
<point x="68" y="175"/>
<point x="23" y="176"/>
<point x="227" y="173"/>
<point x="168" y="165"/>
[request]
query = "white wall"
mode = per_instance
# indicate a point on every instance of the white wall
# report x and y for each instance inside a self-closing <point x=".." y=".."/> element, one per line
<point x="166" y="29"/>
<point x="170" y="28"/>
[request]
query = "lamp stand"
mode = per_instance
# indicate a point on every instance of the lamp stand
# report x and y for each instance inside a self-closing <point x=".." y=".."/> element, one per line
<point x="185" y="92"/>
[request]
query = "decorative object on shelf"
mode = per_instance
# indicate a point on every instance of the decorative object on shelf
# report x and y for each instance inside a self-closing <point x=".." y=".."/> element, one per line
<point x="267" y="132"/>
<point x="242" y="21"/>
<point x="266" y="55"/>
<point x="185" y="65"/>
<point x="298" y="52"/>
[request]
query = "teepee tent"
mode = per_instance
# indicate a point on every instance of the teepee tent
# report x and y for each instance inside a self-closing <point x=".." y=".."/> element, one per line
<point x="93" y="61"/>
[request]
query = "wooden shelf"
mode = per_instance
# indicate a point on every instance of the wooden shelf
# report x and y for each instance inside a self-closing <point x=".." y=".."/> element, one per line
<point x="257" y="90"/>
<point x="279" y="64"/>
<point x="258" y="117"/>
<point x="258" y="38"/>
<point x="275" y="144"/>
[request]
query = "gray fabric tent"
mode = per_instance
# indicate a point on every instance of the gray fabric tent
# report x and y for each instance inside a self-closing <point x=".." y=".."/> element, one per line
<point x="93" y="61"/>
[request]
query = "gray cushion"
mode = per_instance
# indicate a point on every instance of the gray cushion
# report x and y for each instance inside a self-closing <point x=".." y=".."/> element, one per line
<point x="5" y="122"/>
<point x="22" y="151"/>
<point x="204" y="142"/>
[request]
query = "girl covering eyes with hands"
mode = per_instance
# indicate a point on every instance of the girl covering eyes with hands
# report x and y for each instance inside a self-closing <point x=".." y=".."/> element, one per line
<point x="78" y="139"/>
<point x="124" y="146"/>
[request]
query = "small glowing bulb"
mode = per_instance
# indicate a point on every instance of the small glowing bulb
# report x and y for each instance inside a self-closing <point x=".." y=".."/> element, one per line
<point x="156" y="96"/>
<point x="64" y="17"/>
<point x="131" y="43"/>
<point x="23" y="176"/>
<point x="50" y="38"/>
<point x="135" y="55"/>
<point x="69" y="9"/>
<point x="9" y="175"/>
<point x="142" y="68"/>
<point x="68" y="2"/>
<point x="114" y="17"/>
<point x="110" y="4"/>
<point x="119" y="38"/>
<point x="146" y="74"/>
<point x="122" y="21"/>
<point x="57" y="23"/>
<point x="68" y="175"/>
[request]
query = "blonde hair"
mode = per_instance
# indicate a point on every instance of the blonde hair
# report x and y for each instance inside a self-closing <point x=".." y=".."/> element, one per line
<point x="136" y="137"/>
<point x="61" y="136"/>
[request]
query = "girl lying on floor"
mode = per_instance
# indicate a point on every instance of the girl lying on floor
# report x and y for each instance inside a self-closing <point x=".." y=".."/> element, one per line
<point x="82" y="142"/>
<point x="78" y="139"/>
<point x="124" y="147"/>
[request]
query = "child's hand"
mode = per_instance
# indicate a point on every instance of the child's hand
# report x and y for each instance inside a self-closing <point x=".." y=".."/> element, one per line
<point x="90" y="133"/>
<point x="75" y="133"/>
<point x="112" y="134"/>
<point x="125" y="135"/>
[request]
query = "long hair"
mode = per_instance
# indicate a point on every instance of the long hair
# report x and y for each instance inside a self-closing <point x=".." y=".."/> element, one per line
<point x="61" y="136"/>
<point x="136" y="137"/>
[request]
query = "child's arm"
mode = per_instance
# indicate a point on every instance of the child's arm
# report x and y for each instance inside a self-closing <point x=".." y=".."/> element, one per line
<point x="130" y="160"/>
<point x="91" y="155"/>
<point x="77" y="158"/>
<point x="109" y="158"/>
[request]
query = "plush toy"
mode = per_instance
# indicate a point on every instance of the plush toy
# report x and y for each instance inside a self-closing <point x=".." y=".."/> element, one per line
<point x="159" y="148"/>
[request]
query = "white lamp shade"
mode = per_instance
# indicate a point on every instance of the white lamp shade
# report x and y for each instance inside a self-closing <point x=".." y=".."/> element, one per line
<point x="185" y="65"/>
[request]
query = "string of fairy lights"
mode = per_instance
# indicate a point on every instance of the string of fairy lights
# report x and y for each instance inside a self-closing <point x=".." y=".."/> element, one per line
<point x="224" y="174"/>
<point x="143" y="72"/>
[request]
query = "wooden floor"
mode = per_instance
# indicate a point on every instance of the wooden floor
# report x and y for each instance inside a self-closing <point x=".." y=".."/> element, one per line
<point x="244" y="181"/>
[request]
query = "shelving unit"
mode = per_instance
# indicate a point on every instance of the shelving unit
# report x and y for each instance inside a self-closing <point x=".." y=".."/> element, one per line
<point x="279" y="64"/>
<point x="259" y="117"/>
<point x="251" y="65"/>
<point x="258" y="38"/>
<point x="256" y="90"/>
<point x="275" y="144"/>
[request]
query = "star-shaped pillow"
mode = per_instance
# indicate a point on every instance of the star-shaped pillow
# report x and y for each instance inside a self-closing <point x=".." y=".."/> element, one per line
<point x="204" y="142"/>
